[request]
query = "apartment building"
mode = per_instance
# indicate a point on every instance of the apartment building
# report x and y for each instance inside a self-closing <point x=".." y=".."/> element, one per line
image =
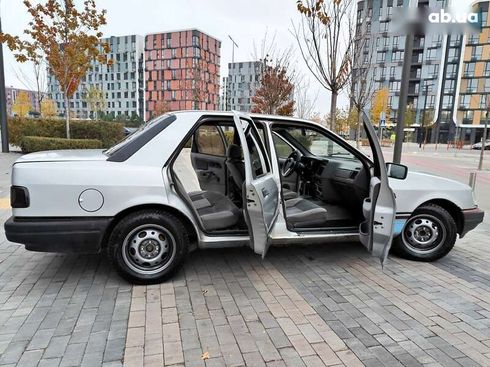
<point x="434" y="65"/>
<point x="181" y="71"/>
<point x="474" y="96"/>
<point x="121" y="82"/>
<point x="240" y="85"/>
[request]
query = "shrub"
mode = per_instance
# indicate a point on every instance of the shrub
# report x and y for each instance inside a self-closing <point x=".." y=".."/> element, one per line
<point x="108" y="133"/>
<point x="31" y="144"/>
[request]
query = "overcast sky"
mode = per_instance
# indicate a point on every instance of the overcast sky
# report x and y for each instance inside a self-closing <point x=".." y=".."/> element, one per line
<point x="247" y="21"/>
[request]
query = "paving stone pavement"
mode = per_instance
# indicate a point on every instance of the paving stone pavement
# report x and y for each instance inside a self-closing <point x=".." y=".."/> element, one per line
<point x="328" y="305"/>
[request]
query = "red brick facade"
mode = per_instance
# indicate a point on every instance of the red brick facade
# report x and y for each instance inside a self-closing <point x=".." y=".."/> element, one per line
<point x="181" y="71"/>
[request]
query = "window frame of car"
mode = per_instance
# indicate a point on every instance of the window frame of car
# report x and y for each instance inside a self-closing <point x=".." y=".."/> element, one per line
<point x="366" y="161"/>
<point x="195" y="148"/>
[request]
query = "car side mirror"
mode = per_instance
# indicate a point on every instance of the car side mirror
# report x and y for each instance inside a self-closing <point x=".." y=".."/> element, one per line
<point x="398" y="171"/>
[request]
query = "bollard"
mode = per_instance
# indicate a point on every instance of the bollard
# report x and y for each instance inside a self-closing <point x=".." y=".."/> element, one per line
<point x="472" y="182"/>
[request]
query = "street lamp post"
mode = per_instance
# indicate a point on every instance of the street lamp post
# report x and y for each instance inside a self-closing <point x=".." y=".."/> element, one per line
<point x="483" y="143"/>
<point x="3" y="101"/>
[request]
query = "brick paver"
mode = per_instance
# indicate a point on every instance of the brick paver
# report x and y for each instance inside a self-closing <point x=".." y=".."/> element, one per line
<point x="327" y="305"/>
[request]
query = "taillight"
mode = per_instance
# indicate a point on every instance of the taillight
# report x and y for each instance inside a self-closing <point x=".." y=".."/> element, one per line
<point x="19" y="197"/>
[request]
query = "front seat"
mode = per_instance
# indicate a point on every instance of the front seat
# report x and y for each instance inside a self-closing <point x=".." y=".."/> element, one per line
<point x="235" y="166"/>
<point x="215" y="210"/>
<point x="302" y="213"/>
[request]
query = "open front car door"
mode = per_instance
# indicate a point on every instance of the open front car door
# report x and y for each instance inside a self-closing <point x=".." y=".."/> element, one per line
<point x="261" y="191"/>
<point x="376" y="232"/>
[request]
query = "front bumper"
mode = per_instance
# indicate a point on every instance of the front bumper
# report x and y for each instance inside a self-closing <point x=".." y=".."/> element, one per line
<point x="70" y="235"/>
<point x="471" y="218"/>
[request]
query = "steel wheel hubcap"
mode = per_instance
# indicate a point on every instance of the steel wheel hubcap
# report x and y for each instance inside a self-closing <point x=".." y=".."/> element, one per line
<point x="424" y="233"/>
<point x="148" y="249"/>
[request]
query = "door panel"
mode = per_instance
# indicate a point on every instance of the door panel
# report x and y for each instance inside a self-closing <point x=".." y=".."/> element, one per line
<point x="379" y="209"/>
<point x="261" y="189"/>
<point x="211" y="172"/>
<point x="208" y="158"/>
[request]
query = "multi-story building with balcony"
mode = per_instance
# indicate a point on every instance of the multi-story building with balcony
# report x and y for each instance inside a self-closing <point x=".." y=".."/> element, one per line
<point x="474" y="93"/>
<point x="181" y="71"/>
<point x="239" y="86"/>
<point x="434" y="65"/>
<point x="120" y="82"/>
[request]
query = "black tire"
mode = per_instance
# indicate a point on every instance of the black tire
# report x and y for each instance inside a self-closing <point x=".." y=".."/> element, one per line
<point x="443" y="229"/>
<point x="148" y="246"/>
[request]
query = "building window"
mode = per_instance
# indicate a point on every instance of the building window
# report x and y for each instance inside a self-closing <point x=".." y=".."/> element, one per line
<point x="431" y="54"/>
<point x="449" y="86"/>
<point x="174" y="53"/>
<point x="169" y="41"/>
<point x="447" y="102"/>
<point x="468" y="117"/>
<point x="469" y="69"/>
<point x="437" y="40"/>
<point x="392" y="71"/>
<point x="476" y="52"/>
<point x="195" y="40"/>
<point x="487" y="85"/>
<point x="394" y="86"/>
<point x="483" y="101"/>
<point x="473" y="39"/>
<point x="472" y="85"/>
<point x="381" y="57"/>
<point x="397" y="56"/>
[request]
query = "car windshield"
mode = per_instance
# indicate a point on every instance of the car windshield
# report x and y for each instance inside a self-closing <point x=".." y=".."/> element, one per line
<point x="146" y="126"/>
<point x="315" y="142"/>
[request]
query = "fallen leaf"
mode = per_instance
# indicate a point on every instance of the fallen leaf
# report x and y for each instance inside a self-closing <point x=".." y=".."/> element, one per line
<point x="204" y="291"/>
<point x="205" y="355"/>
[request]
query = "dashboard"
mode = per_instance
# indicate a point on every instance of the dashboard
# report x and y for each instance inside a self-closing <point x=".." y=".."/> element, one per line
<point x="336" y="180"/>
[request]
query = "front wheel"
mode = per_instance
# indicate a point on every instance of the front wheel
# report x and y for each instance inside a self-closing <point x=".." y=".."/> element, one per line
<point x="429" y="234"/>
<point x="148" y="246"/>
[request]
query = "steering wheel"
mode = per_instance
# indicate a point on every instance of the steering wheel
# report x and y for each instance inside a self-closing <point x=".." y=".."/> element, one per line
<point x="291" y="163"/>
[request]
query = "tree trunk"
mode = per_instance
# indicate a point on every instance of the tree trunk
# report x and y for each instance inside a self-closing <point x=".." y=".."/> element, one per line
<point x="358" y="133"/>
<point x="67" y="115"/>
<point x="333" y="110"/>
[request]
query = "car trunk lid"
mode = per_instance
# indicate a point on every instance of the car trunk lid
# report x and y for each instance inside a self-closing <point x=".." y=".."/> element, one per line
<point x="64" y="156"/>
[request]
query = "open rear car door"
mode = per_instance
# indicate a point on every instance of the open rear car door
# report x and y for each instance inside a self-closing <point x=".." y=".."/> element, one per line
<point x="260" y="191"/>
<point x="379" y="209"/>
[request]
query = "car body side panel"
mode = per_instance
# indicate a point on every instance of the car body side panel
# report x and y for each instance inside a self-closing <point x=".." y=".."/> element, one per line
<point x="419" y="188"/>
<point x="57" y="194"/>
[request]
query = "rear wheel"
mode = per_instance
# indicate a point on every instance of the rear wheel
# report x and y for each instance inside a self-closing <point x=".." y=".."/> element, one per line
<point x="148" y="246"/>
<point x="429" y="234"/>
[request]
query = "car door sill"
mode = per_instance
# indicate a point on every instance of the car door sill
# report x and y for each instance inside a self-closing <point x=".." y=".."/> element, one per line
<point x="305" y="238"/>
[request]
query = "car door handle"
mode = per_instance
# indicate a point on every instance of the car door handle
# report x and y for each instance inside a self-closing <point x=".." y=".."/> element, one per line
<point x="265" y="193"/>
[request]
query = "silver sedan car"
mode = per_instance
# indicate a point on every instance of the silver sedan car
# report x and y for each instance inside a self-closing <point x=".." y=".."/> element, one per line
<point x="205" y="179"/>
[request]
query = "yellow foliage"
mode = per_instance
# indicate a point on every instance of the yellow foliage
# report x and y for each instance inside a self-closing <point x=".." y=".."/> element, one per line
<point x="48" y="108"/>
<point x="22" y="105"/>
<point x="379" y="104"/>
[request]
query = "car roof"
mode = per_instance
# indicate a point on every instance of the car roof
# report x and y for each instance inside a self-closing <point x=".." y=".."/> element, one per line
<point x="265" y="117"/>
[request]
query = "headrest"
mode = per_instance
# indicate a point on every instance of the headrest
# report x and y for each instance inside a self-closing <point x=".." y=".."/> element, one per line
<point x="234" y="152"/>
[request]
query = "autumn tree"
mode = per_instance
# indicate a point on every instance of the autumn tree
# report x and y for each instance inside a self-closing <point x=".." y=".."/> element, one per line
<point x="161" y="108"/>
<point x="94" y="97"/>
<point x="68" y="39"/>
<point x="410" y="115"/>
<point x="380" y="104"/>
<point x="325" y="37"/>
<point x="22" y="105"/>
<point x="361" y="82"/>
<point x="48" y="108"/>
<point x="36" y="81"/>
<point x="275" y="94"/>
